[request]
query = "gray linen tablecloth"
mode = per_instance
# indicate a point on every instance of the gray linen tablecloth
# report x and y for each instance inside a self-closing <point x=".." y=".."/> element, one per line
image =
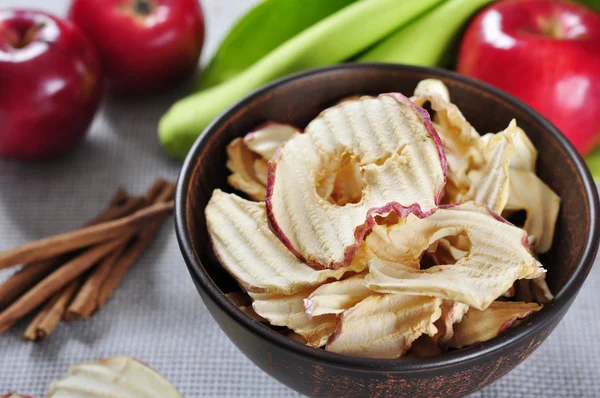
<point x="156" y="314"/>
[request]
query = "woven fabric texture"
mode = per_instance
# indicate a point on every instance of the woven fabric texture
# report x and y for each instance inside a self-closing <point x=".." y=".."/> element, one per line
<point x="156" y="314"/>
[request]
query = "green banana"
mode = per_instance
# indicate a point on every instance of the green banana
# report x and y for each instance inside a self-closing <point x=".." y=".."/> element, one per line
<point x="262" y="29"/>
<point x="334" y="39"/>
<point x="425" y="41"/>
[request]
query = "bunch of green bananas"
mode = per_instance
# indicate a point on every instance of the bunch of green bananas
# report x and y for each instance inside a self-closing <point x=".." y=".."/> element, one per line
<point x="279" y="37"/>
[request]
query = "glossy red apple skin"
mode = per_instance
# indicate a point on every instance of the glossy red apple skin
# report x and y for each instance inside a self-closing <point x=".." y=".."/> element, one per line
<point x="545" y="52"/>
<point x="145" y="45"/>
<point x="49" y="89"/>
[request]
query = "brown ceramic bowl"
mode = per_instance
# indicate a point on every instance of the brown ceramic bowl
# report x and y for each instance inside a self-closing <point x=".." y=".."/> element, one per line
<point x="297" y="100"/>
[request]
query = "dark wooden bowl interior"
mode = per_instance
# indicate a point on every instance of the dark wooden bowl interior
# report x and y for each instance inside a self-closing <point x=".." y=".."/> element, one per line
<point x="299" y="99"/>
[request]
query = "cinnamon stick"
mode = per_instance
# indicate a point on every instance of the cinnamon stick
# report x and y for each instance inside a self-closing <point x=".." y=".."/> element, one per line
<point x="23" y="279"/>
<point x="84" y="303"/>
<point x="59" y="244"/>
<point x="136" y="248"/>
<point x="157" y="187"/>
<point x="56" y="281"/>
<point x="46" y="321"/>
<point x="32" y="273"/>
<point x="130" y="205"/>
<point x="118" y="198"/>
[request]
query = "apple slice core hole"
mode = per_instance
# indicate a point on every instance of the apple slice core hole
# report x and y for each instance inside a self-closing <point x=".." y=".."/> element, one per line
<point x="340" y="182"/>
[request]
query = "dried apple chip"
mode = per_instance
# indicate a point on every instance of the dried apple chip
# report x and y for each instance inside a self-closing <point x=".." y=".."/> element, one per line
<point x="288" y="311"/>
<point x="536" y="290"/>
<point x="113" y="377"/>
<point x="498" y="256"/>
<point x="267" y="138"/>
<point x="540" y="203"/>
<point x="249" y="251"/>
<point x="356" y="160"/>
<point x="247" y="157"/>
<point x="452" y="313"/>
<point x="479" y="326"/>
<point x="524" y="153"/>
<point x="336" y="297"/>
<point x="240" y="161"/>
<point x="384" y="326"/>
<point x="490" y="184"/>
<point x="461" y="141"/>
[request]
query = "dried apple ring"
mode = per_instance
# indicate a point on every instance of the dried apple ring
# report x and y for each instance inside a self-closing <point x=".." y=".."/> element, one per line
<point x="356" y="160"/>
<point x="499" y="255"/>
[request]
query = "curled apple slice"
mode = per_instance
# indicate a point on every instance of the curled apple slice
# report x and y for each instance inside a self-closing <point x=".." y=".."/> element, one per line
<point x="247" y="157"/>
<point x="244" y="303"/>
<point x="540" y="203"/>
<point x="336" y="297"/>
<point x="356" y="160"/>
<point x="490" y="185"/>
<point x="267" y="138"/>
<point x="461" y="141"/>
<point x="113" y="377"/>
<point x="497" y="257"/>
<point x="452" y="313"/>
<point x="535" y="290"/>
<point x="384" y="326"/>
<point x="288" y="311"/>
<point x="240" y="161"/>
<point x="248" y="250"/>
<point x="524" y="154"/>
<point x="479" y="326"/>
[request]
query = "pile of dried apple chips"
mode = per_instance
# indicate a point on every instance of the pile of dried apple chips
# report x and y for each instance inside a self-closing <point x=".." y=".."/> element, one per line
<point x="380" y="231"/>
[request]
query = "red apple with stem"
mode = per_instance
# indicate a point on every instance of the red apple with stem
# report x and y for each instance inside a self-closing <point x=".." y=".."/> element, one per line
<point x="50" y="81"/>
<point x="545" y="52"/>
<point x="145" y="45"/>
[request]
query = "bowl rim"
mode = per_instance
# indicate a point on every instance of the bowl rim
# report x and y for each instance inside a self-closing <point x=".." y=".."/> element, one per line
<point x="461" y="357"/>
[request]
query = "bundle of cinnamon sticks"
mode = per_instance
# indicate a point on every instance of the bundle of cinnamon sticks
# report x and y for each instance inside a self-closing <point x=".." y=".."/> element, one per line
<point x="71" y="276"/>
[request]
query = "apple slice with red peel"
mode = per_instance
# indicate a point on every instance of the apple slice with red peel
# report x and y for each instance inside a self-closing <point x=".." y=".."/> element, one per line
<point x="15" y="395"/>
<point x="479" y="326"/>
<point x="452" y="313"/>
<point x="336" y="297"/>
<point x="384" y="326"/>
<point x="247" y="157"/>
<point x="113" y="377"/>
<point x="288" y="311"/>
<point x="248" y="250"/>
<point x="461" y="141"/>
<point x="498" y="256"/>
<point x="357" y="160"/>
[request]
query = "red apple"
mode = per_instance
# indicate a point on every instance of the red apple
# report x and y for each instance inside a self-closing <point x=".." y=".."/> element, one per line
<point x="545" y="52"/>
<point x="145" y="45"/>
<point x="50" y="85"/>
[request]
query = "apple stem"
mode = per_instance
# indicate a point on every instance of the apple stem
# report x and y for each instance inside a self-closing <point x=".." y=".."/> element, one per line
<point x="29" y="35"/>
<point x="551" y="28"/>
<point x="143" y="7"/>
